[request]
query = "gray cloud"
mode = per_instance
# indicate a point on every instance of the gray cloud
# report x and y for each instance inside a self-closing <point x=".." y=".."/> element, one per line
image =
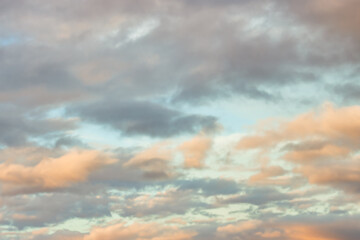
<point x="134" y="66"/>
<point x="209" y="187"/>
<point x="187" y="56"/>
<point x="144" y="118"/>
<point x="29" y="211"/>
<point x="17" y="128"/>
<point x="338" y="18"/>
<point x="348" y="92"/>
<point x="162" y="204"/>
<point x="257" y="196"/>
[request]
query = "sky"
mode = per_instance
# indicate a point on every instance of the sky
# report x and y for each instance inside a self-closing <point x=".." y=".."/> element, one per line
<point x="179" y="119"/>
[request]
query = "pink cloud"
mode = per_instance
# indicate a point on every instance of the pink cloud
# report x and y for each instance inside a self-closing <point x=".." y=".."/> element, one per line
<point x="138" y="231"/>
<point x="322" y="144"/>
<point x="52" y="173"/>
<point x="195" y="151"/>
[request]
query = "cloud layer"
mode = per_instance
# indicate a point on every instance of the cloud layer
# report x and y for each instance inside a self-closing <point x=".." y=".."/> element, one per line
<point x="130" y="119"/>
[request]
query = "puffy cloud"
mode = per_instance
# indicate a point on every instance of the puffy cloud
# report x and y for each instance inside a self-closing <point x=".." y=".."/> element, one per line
<point x="52" y="173"/>
<point x="324" y="139"/>
<point x="266" y="173"/>
<point x="345" y="176"/>
<point x="330" y="123"/>
<point x="310" y="152"/>
<point x="155" y="161"/>
<point x="195" y="151"/>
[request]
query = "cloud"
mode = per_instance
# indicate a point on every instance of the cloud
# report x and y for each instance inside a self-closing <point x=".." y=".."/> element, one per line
<point x="166" y="203"/>
<point x="291" y="228"/>
<point x="52" y="173"/>
<point x="18" y="129"/>
<point x="209" y="187"/>
<point x="144" y="118"/>
<point x="348" y="92"/>
<point x="324" y="124"/>
<point x="138" y="231"/>
<point x="266" y="173"/>
<point x="296" y="228"/>
<point x="25" y="211"/>
<point x="155" y="162"/>
<point x="256" y="196"/>
<point x="183" y="57"/>
<point x="324" y="139"/>
<point x="135" y="231"/>
<point x="346" y="176"/>
<point x="195" y="151"/>
<point x="158" y="70"/>
<point x="46" y="81"/>
<point x="337" y="18"/>
<point x="59" y="235"/>
<point x="239" y="227"/>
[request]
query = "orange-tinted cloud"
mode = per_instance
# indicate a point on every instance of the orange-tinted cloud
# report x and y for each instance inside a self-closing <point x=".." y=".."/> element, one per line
<point x="195" y="151"/>
<point x="51" y="173"/>
<point x="266" y="173"/>
<point x="329" y="123"/>
<point x="239" y="227"/>
<point x="116" y="231"/>
<point x="154" y="161"/>
<point x="322" y="144"/>
<point x="138" y="231"/>
<point x="317" y="153"/>
<point x="338" y="18"/>
<point x="287" y="229"/>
